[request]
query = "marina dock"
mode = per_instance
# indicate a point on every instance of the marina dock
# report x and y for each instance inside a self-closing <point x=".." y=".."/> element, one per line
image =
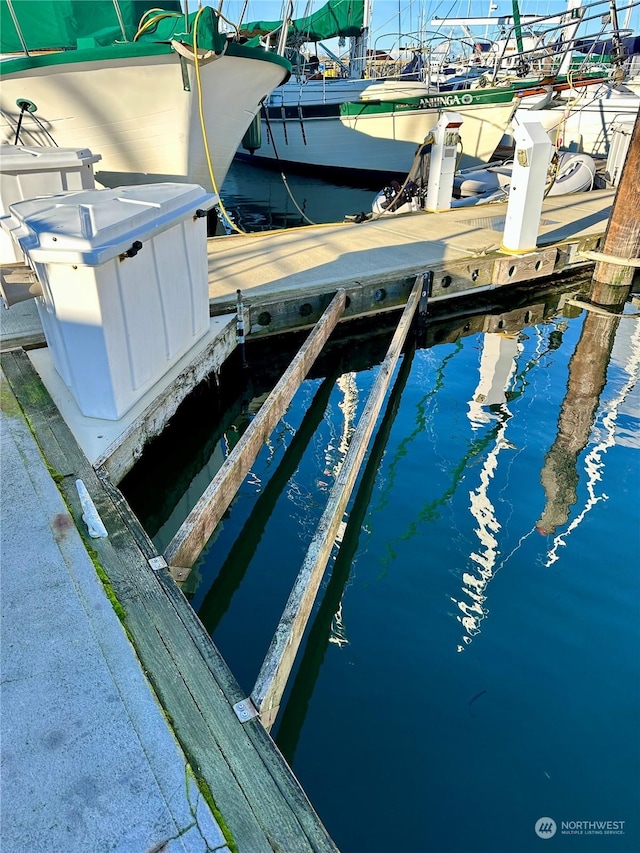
<point x="222" y="758"/>
<point x="287" y="279"/>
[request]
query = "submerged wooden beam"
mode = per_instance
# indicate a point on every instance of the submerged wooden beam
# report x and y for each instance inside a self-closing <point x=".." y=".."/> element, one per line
<point x="186" y="546"/>
<point x="275" y="670"/>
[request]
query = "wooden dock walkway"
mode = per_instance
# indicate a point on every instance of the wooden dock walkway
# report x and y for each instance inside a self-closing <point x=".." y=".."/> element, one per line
<point x="257" y="795"/>
<point x="287" y="278"/>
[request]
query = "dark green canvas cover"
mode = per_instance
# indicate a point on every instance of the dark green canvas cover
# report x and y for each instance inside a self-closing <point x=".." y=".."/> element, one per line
<point x="51" y="24"/>
<point x="175" y="27"/>
<point x="335" y="18"/>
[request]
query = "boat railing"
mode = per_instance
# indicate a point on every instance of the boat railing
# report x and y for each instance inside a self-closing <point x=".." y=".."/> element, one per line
<point x="280" y="33"/>
<point x="562" y="43"/>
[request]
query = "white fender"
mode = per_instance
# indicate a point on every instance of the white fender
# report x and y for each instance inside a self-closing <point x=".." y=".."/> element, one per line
<point x="576" y="173"/>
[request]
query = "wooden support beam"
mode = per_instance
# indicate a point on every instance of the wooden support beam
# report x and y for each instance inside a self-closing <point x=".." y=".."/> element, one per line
<point x="275" y="670"/>
<point x="186" y="546"/>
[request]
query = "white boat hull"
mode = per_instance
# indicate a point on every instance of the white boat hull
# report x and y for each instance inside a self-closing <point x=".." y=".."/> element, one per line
<point x="590" y="116"/>
<point x="136" y="114"/>
<point x="379" y="144"/>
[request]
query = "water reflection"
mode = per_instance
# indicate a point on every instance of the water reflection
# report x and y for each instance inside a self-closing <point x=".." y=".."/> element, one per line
<point x="489" y="403"/>
<point x="594" y="461"/>
<point x="328" y="625"/>
<point x="499" y="382"/>
<point x="587" y="377"/>
<point x="452" y="490"/>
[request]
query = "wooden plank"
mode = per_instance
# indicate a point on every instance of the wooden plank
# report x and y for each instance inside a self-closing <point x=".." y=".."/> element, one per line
<point x="39" y="408"/>
<point x="520" y="268"/>
<point x="120" y="457"/>
<point x="283" y="776"/>
<point x="186" y="546"/>
<point x="274" y="673"/>
<point x="264" y="809"/>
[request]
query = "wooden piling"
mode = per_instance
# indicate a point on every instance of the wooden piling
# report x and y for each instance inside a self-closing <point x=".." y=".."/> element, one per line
<point x="186" y="546"/>
<point x="612" y="281"/>
<point x="274" y="673"/>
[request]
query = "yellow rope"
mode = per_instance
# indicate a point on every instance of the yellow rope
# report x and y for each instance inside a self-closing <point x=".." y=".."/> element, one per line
<point x="142" y="28"/>
<point x="205" y="139"/>
<point x="208" y="156"/>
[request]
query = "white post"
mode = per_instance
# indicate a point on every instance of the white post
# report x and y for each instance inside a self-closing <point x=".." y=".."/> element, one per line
<point x="444" y="155"/>
<point x="528" y="182"/>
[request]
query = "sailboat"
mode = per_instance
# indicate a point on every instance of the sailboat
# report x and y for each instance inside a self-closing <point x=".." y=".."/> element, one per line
<point x="356" y="127"/>
<point x="363" y="129"/>
<point x="160" y="95"/>
<point x="576" y="85"/>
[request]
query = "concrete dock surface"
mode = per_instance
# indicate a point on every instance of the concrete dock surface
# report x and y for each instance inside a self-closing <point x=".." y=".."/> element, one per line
<point x="89" y="762"/>
<point x="301" y="260"/>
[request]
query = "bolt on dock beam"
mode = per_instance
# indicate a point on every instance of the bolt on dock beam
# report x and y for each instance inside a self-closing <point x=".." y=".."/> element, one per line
<point x="274" y="673"/>
<point x="186" y="546"/>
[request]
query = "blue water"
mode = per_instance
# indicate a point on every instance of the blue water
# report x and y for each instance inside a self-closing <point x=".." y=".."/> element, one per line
<point x="260" y="200"/>
<point x="472" y="663"/>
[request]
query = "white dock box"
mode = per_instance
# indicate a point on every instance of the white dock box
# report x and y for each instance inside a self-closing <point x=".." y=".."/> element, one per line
<point x="125" y="285"/>
<point x="35" y="171"/>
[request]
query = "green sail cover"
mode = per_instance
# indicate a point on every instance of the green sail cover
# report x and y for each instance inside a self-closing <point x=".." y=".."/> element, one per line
<point x="51" y="24"/>
<point x="169" y="27"/>
<point x="335" y="18"/>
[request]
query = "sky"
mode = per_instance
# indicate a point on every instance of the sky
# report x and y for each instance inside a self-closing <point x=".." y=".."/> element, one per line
<point x="391" y="16"/>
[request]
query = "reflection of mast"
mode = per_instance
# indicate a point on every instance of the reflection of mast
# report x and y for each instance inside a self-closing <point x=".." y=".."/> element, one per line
<point x="348" y="406"/>
<point x="329" y="616"/>
<point x="497" y="367"/>
<point x="421" y="424"/>
<point x="593" y="461"/>
<point x="587" y="375"/>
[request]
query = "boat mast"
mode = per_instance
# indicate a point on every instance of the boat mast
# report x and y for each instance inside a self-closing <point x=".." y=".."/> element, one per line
<point x="359" y="44"/>
<point x="517" y="27"/>
<point x="574" y="13"/>
<point x="618" y="52"/>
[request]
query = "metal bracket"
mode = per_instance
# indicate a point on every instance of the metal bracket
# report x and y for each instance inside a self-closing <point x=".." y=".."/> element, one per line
<point x="186" y="83"/>
<point x="427" y="289"/>
<point x="158" y="563"/>
<point x="245" y="710"/>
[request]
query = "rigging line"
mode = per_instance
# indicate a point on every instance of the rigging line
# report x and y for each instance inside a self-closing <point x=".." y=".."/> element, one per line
<point x="43" y="128"/>
<point x="282" y="174"/>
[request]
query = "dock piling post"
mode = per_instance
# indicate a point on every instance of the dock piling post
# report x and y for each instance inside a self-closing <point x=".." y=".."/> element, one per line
<point x="612" y="281"/>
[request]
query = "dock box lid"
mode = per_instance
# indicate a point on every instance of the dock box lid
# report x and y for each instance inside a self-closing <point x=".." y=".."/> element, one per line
<point x="19" y="158"/>
<point x="93" y="226"/>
